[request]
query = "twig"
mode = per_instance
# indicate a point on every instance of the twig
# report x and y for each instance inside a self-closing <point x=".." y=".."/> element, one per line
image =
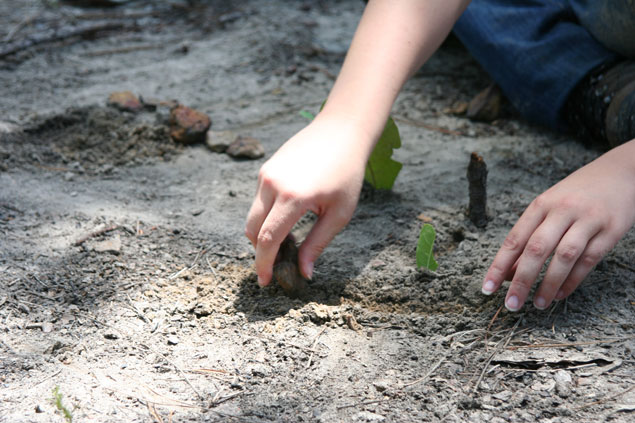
<point x="313" y="346"/>
<point x="568" y="345"/>
<point x="178" y="369"/>
<point x="477" y="179"/>
<point x="119" y="50"/>
<point x="606" y="399"/>
<point x="491" y="323"/>
<point x="361" y="403"/>
<point x="427" y="375"/>
<point x="502" y="342"/>
<point x="95" y="233"/>
<point x="59" y="35"/>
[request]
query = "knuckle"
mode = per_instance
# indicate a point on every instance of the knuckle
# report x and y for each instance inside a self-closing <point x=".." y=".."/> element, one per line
<point x="591" y="258"/>
<point x="540" y="202"/>
<point x="522" y="284"/>
<point x="265" y="238"/>
<point x="535" y="248"/>
<point x="567" y="253"/>
<point x="511" y="242"/>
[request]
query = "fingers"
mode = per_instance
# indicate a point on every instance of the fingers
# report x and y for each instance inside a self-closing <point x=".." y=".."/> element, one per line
<point x="258" y="213"/>
<point x="276" y="226"/>
<point x="565" y="258"/>
<point x="538" y="248"/>
<point x="503" y="265"/>
<point x="595" y="250"/>
<point x="322" y="233"/>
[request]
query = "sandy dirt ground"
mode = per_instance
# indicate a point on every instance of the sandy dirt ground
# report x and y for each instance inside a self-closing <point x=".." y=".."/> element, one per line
<point x="158" y="317"/>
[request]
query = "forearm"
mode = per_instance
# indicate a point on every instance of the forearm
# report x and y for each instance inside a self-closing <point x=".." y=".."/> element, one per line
<point x="393" y="39"/>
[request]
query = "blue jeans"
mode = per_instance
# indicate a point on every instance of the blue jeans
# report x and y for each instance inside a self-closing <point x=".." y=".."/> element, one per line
<point x="537" y="51"/>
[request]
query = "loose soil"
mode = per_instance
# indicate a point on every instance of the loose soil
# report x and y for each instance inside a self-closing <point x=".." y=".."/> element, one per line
<point x="157" y="316"/>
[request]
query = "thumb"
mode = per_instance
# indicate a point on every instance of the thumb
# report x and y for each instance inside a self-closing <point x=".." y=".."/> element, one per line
<point x="322" y="233"/>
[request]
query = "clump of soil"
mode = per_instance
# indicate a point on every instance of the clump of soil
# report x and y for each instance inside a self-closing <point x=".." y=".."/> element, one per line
<point x="93" y="139"/>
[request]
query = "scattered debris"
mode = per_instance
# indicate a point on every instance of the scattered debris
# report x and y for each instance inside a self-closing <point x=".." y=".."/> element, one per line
<point x="246" y="148"/>
<point x="188" y="126"/>
<point x="219" y="141"/>
<point x="125" y="100"/>
<point x="486" y="106"/>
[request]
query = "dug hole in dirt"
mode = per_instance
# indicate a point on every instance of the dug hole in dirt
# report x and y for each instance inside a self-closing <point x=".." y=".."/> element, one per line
<point x="127" y="285"/>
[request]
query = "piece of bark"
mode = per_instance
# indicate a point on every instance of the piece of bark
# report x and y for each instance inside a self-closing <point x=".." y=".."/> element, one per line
<point x="477" y="180"/>
<point x="486" y="106"/>
<point x="286" y="270"/>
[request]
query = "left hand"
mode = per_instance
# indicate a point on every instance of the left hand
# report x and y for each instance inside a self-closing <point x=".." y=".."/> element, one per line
<point x="578" y="220"/>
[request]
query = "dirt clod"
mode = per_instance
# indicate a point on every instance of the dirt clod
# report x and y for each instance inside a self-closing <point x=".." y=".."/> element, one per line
<point x="246" y="148"/>
<point x="219" y="141"/>
<point x="188" y="126"/>
<point x="125" y="100"/>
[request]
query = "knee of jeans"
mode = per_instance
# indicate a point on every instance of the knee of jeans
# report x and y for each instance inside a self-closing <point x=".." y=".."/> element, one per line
<point x="611" y="22"/>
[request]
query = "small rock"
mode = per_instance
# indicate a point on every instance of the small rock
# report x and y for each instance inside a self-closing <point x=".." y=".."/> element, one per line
<point x="246" y="148"/>
<point x="38" y="409"/>
<point x="111" y="335"/>
<point x="125" y="100"/>
<point x="503" y="395"/>
<point x="69" y="176"/>
<point x="218" y="141"/>
<point x="173" y="340"/>
<point x="6" y="127"/>
<point x="367" y="416"/>
<point x="47" y="327"/>
<point x="562" y="376"/>
<point x="112" y="245"/>
<point x="381" y="385"/>
<point x="188" y="126"/>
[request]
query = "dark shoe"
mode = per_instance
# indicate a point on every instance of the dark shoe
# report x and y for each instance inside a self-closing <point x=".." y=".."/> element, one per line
<point x="601" y="109"/>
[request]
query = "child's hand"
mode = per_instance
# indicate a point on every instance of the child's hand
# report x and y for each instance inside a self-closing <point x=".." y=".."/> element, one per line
<point x="579" y="220"/>
<point x="320" y="169"/>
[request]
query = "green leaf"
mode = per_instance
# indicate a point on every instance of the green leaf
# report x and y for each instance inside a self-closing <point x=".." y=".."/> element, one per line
<point x="307" y="115"/>
<point x="425" y="257"/>
<point x="381" y="169"/>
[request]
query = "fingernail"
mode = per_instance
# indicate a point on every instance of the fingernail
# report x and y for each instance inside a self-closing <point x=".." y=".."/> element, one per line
<point x="560" y="295"/>
<point x="512" y="303"/>
<point x="540" y="303"/>
<point x="488" y="287"/>
<point x="309" y="271"/>
<point x="261" y="283"/>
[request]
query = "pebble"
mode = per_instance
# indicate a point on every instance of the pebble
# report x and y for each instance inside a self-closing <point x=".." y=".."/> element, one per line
<point x="219" y="141"/>
<point x="246" y="148"/>
<point x="188" y="126"/>
<point x="367" y="416"/>
<point x="125" y="100"/>
<point x="173" y="340"/>
<point x="112" y="245"/>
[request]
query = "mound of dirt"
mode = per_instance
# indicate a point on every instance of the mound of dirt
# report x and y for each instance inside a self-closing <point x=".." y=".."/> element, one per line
<point x="93" y="139"/>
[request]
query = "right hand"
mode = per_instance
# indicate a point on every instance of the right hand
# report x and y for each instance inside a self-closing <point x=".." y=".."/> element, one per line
<point x="320" y="169"/>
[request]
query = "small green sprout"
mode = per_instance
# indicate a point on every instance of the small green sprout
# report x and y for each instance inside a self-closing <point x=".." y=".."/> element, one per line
<point x="425" y="256"/>
<point x="57" y="402"/>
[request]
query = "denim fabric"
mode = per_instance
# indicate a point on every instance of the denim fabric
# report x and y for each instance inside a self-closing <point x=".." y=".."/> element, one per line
<point x="537" y="51"/>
